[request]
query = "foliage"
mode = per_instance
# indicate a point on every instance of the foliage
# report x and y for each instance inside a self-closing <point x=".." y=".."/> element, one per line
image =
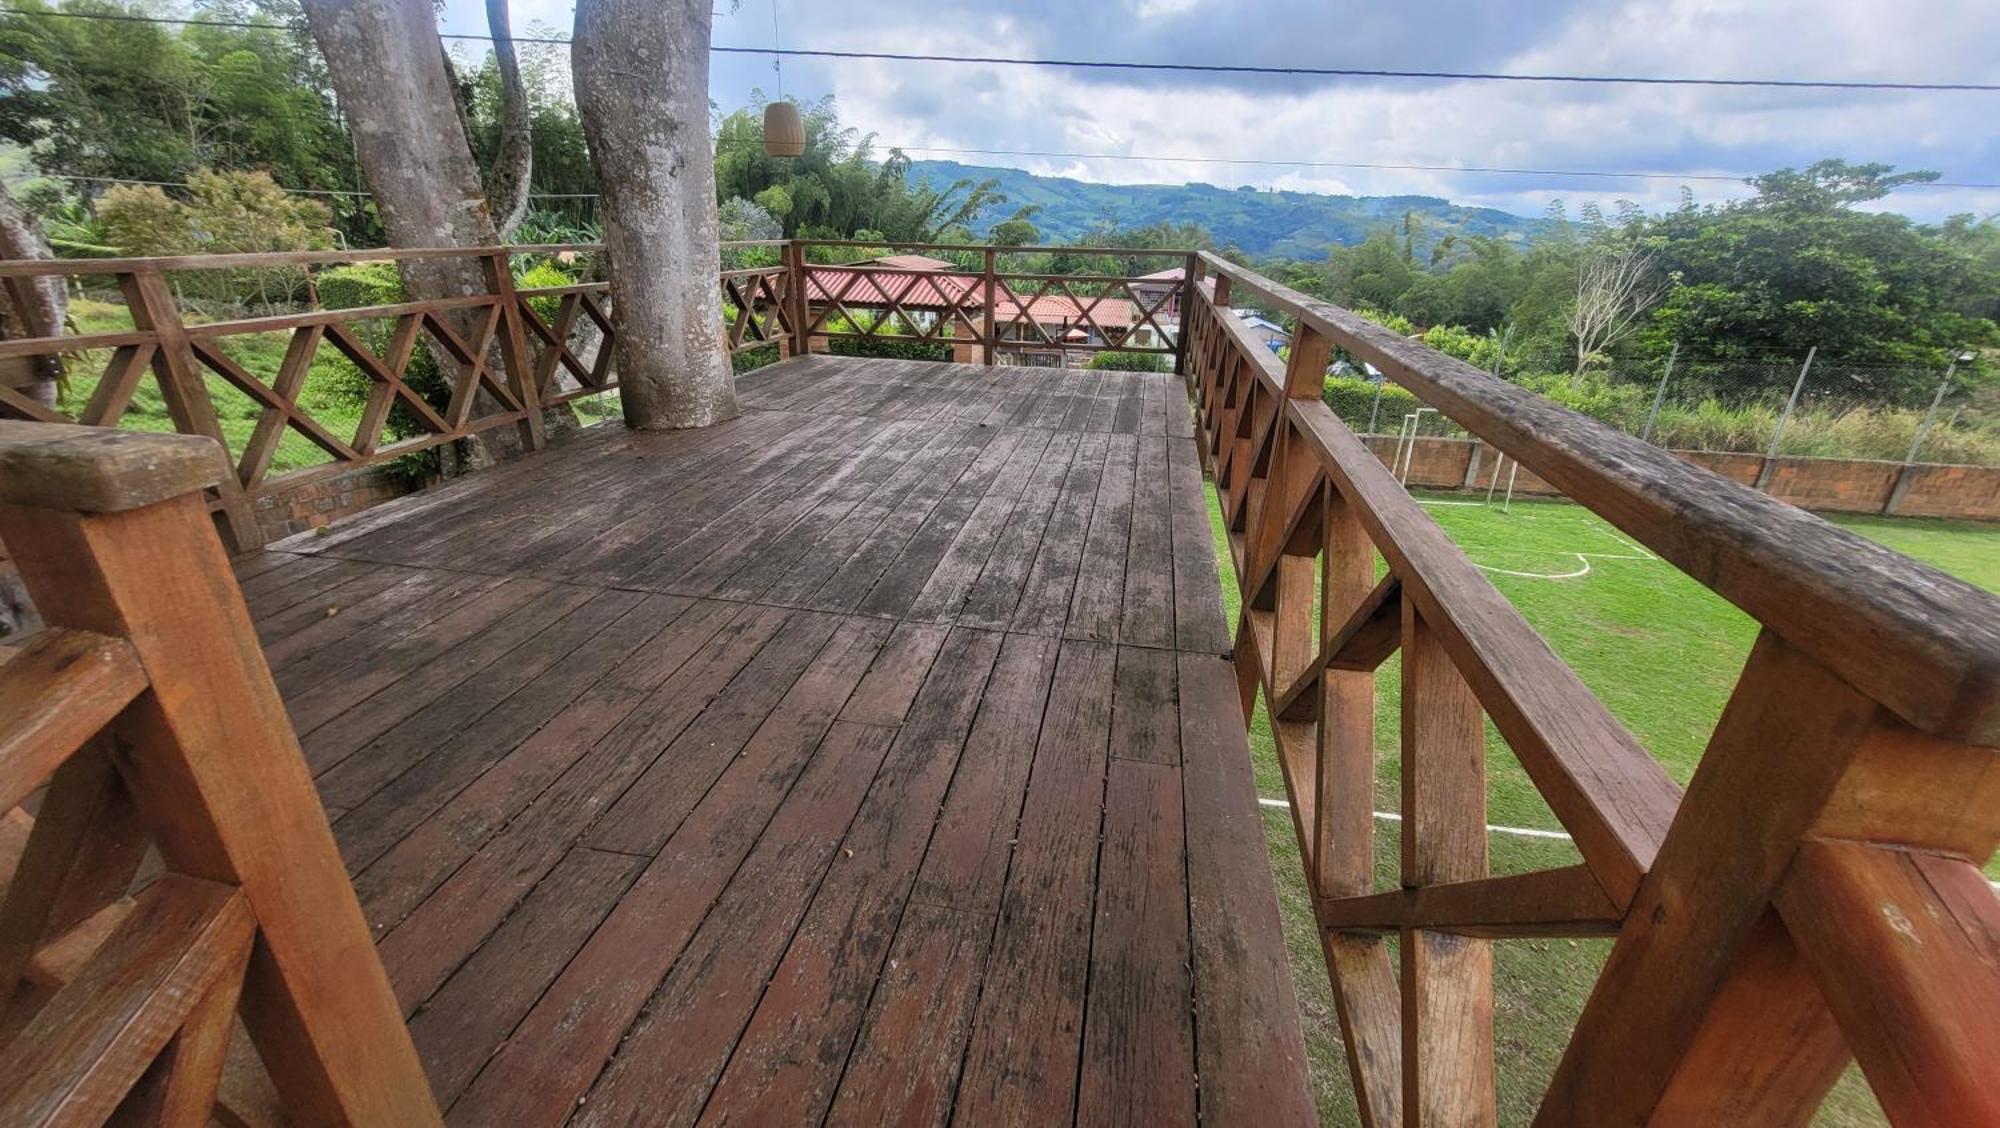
<point x="1796" y="266"/>
<point x="562" y="157"/>
<point x="888" y="342"/>
<point x="837" y="188"/>
<point x="360" y="284"/>
<point x="1354" y="400"/>
<point x="1481" y="350"/>
<point x="741" y="220"/>
<point x="1118" y="360"/>
<point x="144" y="101"/>
<point x="222" y="213"/>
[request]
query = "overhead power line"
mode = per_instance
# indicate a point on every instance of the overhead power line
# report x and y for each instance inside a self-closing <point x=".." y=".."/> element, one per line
<point x="1716" y="177"/>
<point x="1133" y="65"/>
<point x="748" y="142"/>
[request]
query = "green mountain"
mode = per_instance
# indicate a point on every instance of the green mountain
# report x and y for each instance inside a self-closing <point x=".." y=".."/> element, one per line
<point x="1299" y="225"/>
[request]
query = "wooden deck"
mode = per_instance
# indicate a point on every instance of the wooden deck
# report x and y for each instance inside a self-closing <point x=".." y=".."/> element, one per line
<point x="873" y="757"/>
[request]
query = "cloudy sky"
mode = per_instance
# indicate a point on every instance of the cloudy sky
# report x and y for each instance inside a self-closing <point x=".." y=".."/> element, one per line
<point x="1202" y="121"/>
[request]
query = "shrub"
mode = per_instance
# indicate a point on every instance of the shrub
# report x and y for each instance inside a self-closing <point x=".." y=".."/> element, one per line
<point x="360" y="284"/>
<point x="1118" y="360"/>
<point x="1475" y="349"/>
<point x="888" y="343"/>
<point x="540" y="276"/>
<point x="1353" y="399"/>
<point x="223" y="213"/>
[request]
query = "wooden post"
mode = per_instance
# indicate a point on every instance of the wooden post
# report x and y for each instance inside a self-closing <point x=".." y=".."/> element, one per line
<point x="1447" y="977"/>
<point x="186" y="394"/>
<point x="987" y="286"/>
<point x="110" y="532"/>
<point x="796" y="296"/>
<point x="1185" y="303"/>
<point x="514" y="350"/>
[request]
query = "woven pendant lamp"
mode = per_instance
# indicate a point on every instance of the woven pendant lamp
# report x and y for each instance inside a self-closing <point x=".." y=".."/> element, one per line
<point x="784" y="130"/>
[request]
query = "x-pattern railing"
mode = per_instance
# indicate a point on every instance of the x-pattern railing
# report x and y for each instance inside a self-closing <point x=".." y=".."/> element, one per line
<point x="506" y="353"/>
<point x="987" y="308"/>
<point x="497" y="357"/>
<point x="556" y="341"/>
<point x="1815" y="896"/>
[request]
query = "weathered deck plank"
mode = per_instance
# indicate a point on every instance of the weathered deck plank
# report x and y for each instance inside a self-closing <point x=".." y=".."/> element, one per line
<point x="868" y="758"/>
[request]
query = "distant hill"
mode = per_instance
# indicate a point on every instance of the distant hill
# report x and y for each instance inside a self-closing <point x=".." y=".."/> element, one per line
<point x="1301" y="225"/>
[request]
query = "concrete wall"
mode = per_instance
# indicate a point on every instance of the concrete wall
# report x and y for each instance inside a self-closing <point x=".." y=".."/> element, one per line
<point x="1841" y="485"/>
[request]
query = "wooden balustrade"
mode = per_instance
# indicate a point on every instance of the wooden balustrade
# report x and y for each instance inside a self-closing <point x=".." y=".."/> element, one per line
<point x="1815" y="897"/>
<point x="509" y="353"/>
<point x="988" y="311"/>
<point x="144" y="715"/>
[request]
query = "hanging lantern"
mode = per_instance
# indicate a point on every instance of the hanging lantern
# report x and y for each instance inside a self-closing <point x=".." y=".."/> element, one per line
<point x="784" y="131"/>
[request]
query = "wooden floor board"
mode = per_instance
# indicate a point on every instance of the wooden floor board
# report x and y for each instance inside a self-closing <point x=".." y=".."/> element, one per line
<point x="869" y="758"/>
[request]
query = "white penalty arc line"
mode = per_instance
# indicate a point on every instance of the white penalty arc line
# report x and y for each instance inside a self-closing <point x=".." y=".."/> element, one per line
<point x="1583" y="558"/>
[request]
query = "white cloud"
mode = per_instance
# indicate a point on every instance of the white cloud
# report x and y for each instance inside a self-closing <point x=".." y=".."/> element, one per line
<point x="1543" y="126"/>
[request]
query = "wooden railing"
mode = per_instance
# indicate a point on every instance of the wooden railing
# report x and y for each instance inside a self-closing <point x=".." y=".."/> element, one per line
<point x="144" y="715"/>
<point x="499" y="358"/>
<point x="1814" y="897"/>
<point x="986" y="311"/>
<point x="506" y="354"/>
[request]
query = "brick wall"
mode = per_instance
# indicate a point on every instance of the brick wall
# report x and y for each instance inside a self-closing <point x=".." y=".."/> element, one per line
<point x="284" y="512"/>
<point x="1839" y="484"/>
<point x="1842" y="485"/>
<point x="1927" y="490"/>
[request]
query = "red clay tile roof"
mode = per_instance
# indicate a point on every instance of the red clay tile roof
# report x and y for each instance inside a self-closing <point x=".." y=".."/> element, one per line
<point x="938" y="292"/>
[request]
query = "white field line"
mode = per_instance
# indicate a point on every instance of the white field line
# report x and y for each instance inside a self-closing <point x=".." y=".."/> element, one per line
<point x="1391" y="816"/>
<point x="1519" y="831"/>
<point x="1582" y="558"/>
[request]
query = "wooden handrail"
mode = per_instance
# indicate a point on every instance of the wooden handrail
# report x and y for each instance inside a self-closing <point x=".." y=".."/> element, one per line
<point x="154" y="714"/>
<point x="1924" y="643"/>
<point x="1849" y="785"/>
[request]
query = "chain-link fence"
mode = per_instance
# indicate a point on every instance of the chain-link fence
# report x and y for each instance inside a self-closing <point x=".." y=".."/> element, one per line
<point x="1808" y="406"/>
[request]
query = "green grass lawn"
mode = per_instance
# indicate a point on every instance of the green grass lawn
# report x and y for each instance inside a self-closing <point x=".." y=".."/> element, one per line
<point x="1662" y="652"/>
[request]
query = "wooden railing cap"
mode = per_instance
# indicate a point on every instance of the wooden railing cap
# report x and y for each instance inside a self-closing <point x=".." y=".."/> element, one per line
<point x="101" y="470"/>
<point x="1923" y="643"/>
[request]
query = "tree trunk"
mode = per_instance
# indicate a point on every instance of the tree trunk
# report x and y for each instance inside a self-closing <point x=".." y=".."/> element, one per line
<point x="388" y="74"/>
<point x="33" y="307"/>
<point x="514" y="161"/>
<point x="641" y="69"/>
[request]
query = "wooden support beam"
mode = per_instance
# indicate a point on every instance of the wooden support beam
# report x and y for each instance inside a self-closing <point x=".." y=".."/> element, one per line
<point x="212" y="762"/>
<point x="1905" y="946"/>
<point x="1366" y="998"/>
<point x="1344" y="829"/>
<point x="79" y="1057"/>
<point x="1371" y="632"/>
<point x="1782" y="745"/>
<point x="1559" y="902"/>
<point x="1769" y="1050"/>
<point x="57" y="693"/>
<point x="151" y="304"/>
<point x="1447" y="978"/>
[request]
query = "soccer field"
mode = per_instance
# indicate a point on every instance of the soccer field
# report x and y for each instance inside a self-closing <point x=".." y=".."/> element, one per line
<point x="1662" y="652"/>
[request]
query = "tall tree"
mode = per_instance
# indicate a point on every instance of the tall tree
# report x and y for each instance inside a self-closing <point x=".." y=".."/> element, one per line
<point x="388" y="72"/>
<point x="1616" y="284"/>
<point x="514" y="163"/>
<point x="641" y="70"/>
<point x="33" y="307"/>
